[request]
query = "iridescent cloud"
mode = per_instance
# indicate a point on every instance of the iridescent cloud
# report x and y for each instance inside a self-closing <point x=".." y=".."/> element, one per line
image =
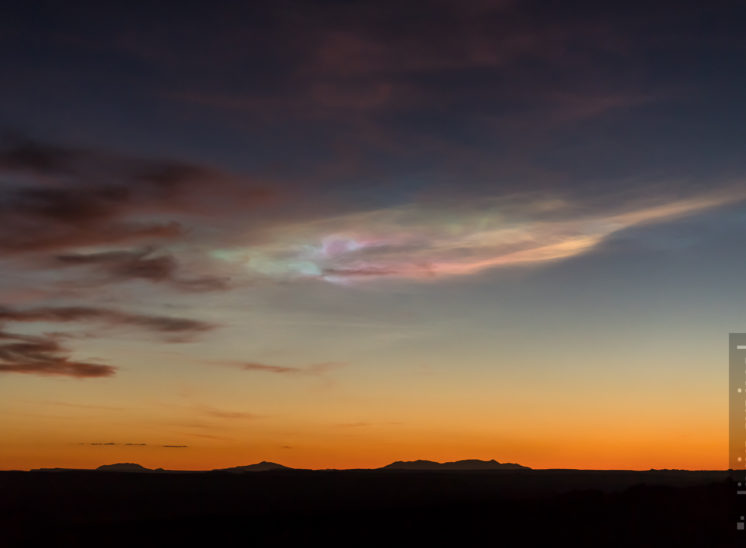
<point x="417" y="242"/>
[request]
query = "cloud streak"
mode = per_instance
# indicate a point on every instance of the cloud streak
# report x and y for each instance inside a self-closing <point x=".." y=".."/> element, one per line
<point x="46" y="356"/>
<point x="163" y="324"/>
<point x="62" y="198"/>
<point x="145" y="264"/>
<point x="225" y="414"/>
<point x="313" y="369"/>
<point x="417" y="242"/>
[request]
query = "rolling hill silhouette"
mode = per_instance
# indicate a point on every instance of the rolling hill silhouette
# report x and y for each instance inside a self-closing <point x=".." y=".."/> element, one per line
<point x="123" y="467"/>
<point x="469" y="464"/>
<point x="417" y="503"/>
<point x="266" y="466"/>
<point x="263" y="466"/>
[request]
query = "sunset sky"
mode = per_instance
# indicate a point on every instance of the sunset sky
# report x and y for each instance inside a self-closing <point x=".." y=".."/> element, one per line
<point x="339" y="234"/>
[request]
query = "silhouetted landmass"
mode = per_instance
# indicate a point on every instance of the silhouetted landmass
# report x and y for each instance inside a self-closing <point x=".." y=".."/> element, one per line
<point x="58" y="470"/>
<point x="471" y="464"/>
<point x="263" y="466"/>
<point x="123" y="467"/>
<point x="286" y="507"/>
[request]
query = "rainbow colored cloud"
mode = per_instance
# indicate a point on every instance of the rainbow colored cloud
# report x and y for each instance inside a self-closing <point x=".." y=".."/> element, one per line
<point x="418" y="242"/>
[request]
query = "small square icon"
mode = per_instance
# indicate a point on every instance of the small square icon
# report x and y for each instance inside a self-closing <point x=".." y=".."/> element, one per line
<point x="739" y="526"/>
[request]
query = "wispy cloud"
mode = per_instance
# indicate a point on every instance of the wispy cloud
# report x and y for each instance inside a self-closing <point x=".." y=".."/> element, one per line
<point x="313" y="369"/>
<point x="145" y="264"/>
<point x="85" y="406"/>
<point x="178" y="328"/>
<point x="64" y="198"/>
<point x="425" y="243"/>
<point x="364" y="424"/>
<point x="114" y="444"/>
<point x="226" y="414"/>
<point x="44" y="355"/>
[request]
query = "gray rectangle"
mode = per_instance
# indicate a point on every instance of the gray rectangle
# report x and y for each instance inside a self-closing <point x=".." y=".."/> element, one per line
<point x="737" y="402"/>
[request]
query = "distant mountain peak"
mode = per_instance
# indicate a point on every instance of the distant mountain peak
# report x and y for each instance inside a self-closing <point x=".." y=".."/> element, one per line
<point x="123" y="467"/>
<point x="263" y="466"/>
<point x="468" y="464"/>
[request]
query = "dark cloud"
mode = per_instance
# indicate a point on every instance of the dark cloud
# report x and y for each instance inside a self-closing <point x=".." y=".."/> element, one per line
<point x="175" y="446"/>
<point x="168" y="178"/>
<point x="405" y="88"/>
<point x="314" y="369"/>
<point x="146" y="264"/>
<point x="471" y="93"/>
<point x="359" y="272"/>
<point x="71" y="197"/>
<point x="24" y="154"/>
<point x="163" y="324"/>
<point x="44" y="355"/>
<point x="269" y="368"/>
<point x="363" y="424"/>
<point x="85" y="406"/>
<point x="75" y="210"/>
<point x="116" y="443"/>
<point x="62" y="206"/>
<point x="483" y="92"/>
<point x="225" y="414"/>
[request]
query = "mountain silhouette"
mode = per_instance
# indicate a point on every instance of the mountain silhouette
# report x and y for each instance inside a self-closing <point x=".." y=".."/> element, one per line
<point x="470" y="464"/>
<point x="266" y="466"/>
<point x="263" y="466"/>
<point x="430" y="503"/>
<point x="123" y="467"/>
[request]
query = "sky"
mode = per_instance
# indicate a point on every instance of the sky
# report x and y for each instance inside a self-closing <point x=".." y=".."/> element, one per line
<point x="339" y="234"/>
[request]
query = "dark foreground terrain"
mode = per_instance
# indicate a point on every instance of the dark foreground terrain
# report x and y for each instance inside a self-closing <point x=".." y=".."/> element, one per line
<point x="368" y="508"/>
